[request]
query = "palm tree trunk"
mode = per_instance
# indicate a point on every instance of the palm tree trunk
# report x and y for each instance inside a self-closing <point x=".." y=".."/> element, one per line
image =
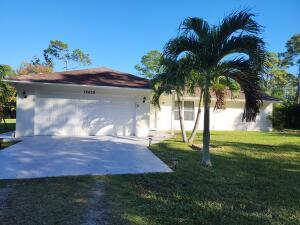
<point x="194" y="132"/>
<point x="206" y="130"/>
<point x="183" y="133"/>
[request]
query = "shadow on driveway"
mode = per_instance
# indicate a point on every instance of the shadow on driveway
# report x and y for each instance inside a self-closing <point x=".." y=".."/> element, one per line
<point x="51" y="156"/>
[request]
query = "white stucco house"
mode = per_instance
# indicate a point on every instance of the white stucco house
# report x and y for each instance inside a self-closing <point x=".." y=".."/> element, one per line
<point x="107" y="102"/>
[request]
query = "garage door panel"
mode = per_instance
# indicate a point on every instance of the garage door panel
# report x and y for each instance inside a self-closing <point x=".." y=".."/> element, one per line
<point x="73" y="117"/>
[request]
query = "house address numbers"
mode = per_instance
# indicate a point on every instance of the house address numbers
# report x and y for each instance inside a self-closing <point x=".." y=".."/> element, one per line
<point x="92" y="92"/>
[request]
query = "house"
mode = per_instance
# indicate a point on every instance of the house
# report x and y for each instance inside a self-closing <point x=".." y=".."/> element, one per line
<point x="106" y="102"/>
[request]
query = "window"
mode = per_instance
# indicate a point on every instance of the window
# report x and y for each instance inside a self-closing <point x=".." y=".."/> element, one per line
<point x="187" y="109"/>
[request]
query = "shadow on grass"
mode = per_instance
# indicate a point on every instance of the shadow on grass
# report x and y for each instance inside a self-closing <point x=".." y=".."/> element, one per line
<point x="284" y="134"/>
<point x="241" y="188"/>
<point x="282" y="148"/>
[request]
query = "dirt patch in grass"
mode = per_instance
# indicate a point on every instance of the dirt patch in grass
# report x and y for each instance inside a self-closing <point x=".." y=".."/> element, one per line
<point x="63" y="200"/>
<point x="96" y="208"/>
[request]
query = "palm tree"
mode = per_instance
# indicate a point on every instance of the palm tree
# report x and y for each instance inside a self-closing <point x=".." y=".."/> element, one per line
<point x="232" y="49"/>
<point x="220" y="86"/>
<point x="173" y="79"/>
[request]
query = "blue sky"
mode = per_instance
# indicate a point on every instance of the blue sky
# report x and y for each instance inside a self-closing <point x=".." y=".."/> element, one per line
<point x="117" y="33"/>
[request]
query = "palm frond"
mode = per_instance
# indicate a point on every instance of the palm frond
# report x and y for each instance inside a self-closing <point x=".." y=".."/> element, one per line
<point x="160" y="84"/>
<point x="252" y="46"/>
<point x="220" y="92"/>
<point x="195" y="25"/>
<point x="238" y="21"/>
<point x="243" y="72"/>
<point x="174" y="78"/>
<point x="181" y="44"/>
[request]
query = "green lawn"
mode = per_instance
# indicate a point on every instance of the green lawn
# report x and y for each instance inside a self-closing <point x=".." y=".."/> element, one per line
<point x="45" y="201"/>
<point x="6" y="144"/>
<point x="255" y="180"/>
<point x="11" y="125"/>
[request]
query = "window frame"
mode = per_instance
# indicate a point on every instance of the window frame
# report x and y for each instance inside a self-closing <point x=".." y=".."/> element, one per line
<point x="184" y="109"/>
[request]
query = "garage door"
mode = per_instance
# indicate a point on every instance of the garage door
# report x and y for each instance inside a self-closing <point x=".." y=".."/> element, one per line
<point x="75" y="117"/>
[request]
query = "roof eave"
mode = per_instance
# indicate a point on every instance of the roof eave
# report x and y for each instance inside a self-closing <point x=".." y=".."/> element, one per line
<point x="76" y="85"/>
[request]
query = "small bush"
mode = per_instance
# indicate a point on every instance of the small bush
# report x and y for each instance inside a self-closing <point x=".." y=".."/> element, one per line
<point x="286" y="116"/>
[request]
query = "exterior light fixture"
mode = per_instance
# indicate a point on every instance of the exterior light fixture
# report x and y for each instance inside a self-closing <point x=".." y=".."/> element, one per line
<point x="24" y="94"/>
<point x="175" y="163"/>
<point x="150" y="141"/>
<point x="144" y="99"/>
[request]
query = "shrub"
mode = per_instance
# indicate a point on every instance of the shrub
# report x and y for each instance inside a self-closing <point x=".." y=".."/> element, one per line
<point x="286" y="116"/>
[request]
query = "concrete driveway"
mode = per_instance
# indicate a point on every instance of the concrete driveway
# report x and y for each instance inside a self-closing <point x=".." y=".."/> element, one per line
<point x="49" y="156"/>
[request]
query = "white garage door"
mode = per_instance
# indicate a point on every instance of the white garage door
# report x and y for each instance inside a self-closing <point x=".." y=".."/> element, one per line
<point x="76" y="117"/>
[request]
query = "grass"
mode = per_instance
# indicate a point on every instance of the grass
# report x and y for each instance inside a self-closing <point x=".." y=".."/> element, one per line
<point x="5" y="144"/>
<point x="11" y="125"/>
<point x="46" y="201"/>
<point x="255" y="180"/>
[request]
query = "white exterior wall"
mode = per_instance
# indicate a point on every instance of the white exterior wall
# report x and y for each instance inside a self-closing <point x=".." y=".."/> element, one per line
<point x="228" y="119"/>
<point x="25" y="113"/>
<point x="28" y="114"/>
<point x="145" y="116"/>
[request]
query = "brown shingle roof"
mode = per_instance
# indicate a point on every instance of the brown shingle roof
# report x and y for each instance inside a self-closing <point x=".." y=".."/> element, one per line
<point x="105" y="77"/>
<point x="94" y="77"/>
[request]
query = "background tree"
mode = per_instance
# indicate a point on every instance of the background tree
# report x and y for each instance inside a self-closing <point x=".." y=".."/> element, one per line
<point x="58" y="50"/>
<point x="2" y="94"/>
<point x="292" y="57"/>
<point x="150" y="64"/>
<point x="33" y="68"/>
<point x="232" y="49"/>
<point x="7" y="93"/>
<point x="277" y="82"/>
